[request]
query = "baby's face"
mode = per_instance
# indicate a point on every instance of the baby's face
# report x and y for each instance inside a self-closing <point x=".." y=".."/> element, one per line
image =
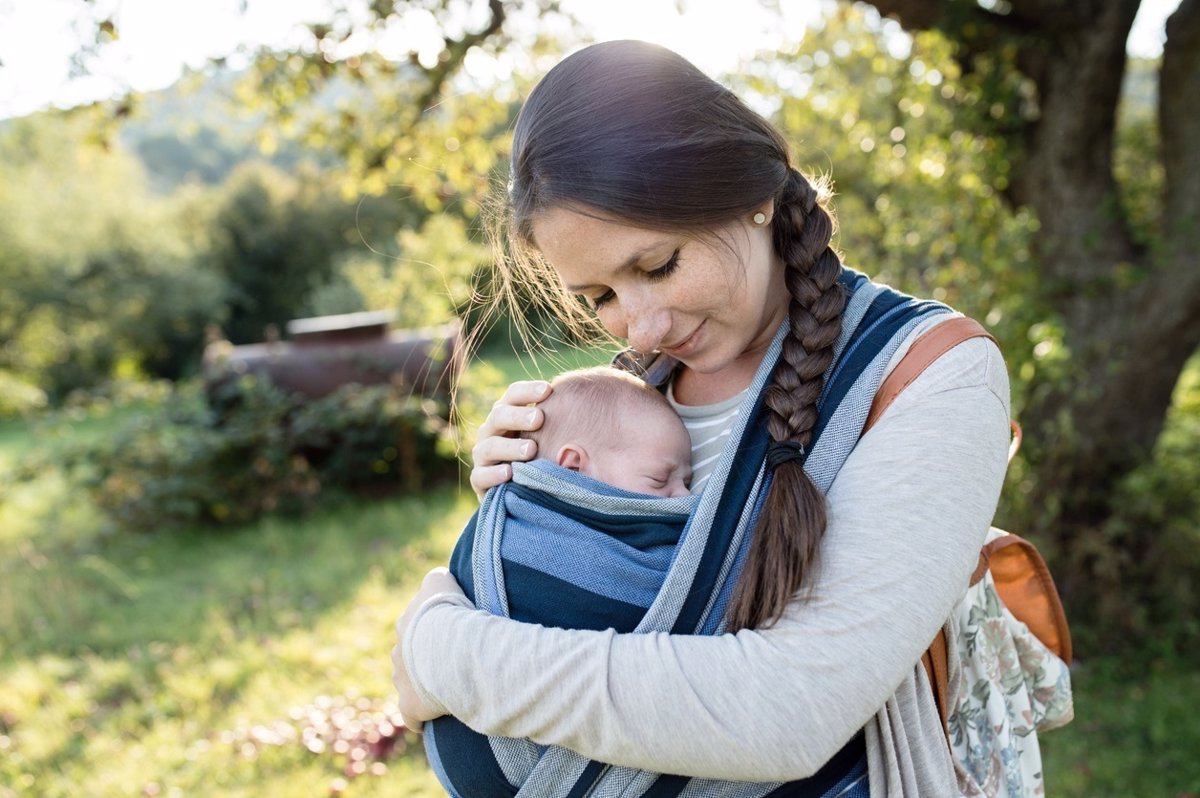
<point x="651" y="454"/>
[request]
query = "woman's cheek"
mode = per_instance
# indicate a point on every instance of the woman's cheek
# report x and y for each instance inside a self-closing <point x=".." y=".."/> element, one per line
<point x="613" y="320"/>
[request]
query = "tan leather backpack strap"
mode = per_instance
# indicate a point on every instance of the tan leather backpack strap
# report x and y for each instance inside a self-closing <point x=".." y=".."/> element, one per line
<point x="1024" y="584"/>
<point x="1017" y="436"/>
<point x="936" y="661"/>
<point x="929" y="347"/>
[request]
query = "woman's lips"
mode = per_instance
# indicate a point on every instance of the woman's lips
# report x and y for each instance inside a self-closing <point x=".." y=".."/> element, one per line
<point x="681" y="349"/>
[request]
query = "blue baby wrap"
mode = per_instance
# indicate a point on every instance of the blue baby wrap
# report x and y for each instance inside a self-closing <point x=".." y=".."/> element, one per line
<point x="559" y="549"/>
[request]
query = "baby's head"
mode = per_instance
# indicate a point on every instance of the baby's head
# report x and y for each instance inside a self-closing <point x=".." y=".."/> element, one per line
<point x="610" y="426"/>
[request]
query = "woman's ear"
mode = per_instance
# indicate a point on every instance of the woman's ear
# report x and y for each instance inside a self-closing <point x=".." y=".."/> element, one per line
<point x="763" y="214"/>
<point x="572" y="456"/>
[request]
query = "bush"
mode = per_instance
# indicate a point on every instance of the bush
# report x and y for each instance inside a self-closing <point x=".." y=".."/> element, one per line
<point x="249" y="448"/>
<point x="18" y="396"/>
<point x="1143" y="586"/>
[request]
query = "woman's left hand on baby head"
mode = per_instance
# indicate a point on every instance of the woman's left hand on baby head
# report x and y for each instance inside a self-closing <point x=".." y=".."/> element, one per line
<point x="415" y="712"/>
<point x="498" y="441"/>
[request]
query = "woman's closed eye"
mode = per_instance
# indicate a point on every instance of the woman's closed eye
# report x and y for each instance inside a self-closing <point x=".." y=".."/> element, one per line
<point x="654" y="275"/>
<point x="666" y="270"/>
<point x="600" y="301"/>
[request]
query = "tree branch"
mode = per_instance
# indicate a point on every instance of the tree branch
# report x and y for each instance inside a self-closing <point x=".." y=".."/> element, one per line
<point x="1180" y="126"/>
<point x="952" y="17"/>
<point x="913" y="14"/>
<point x="455" y="51"/>
<point x="1049" y="13"/>
<point x="975" y="30"/>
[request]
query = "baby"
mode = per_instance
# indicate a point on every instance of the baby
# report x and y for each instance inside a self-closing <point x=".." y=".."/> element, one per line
<point x="558" y="549"/>
<point x="610" y="426"/>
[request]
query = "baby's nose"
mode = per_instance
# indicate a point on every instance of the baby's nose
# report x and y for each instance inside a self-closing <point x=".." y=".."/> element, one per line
<point x="676" y="488"/>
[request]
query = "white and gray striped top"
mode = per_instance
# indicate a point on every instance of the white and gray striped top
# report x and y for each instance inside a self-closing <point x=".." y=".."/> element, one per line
<point x="709" y="427"/>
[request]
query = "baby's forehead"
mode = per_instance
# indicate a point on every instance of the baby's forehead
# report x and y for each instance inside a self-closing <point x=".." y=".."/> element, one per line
<point x="644" y="410"/>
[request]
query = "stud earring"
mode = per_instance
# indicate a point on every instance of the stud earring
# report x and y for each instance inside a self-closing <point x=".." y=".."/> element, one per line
<point x="760" y="218"/>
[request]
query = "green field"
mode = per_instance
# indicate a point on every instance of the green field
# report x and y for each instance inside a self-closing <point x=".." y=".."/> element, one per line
<point x="195" y="662"/>
<point x="151" y="664"/>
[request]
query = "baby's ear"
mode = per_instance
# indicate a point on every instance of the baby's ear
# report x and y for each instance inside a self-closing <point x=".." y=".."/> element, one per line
<point x="572" y="456"/>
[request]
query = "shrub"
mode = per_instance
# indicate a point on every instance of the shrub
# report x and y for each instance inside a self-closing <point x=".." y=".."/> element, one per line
<point x="249" y="448"/>
<point x="18" y="395"/>
<point x="1144" y="586"/>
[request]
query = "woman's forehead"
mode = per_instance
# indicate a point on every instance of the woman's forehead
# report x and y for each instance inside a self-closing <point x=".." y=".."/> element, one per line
<point x="583" y="247"/>
<point x="564" y="226"/>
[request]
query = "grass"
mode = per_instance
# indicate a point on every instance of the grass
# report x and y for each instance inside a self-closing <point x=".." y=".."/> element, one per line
<point x="143" y="664"/>
<point x="151" y="664"/>
<point x="135" y="664"/>
<point x="192" y="662"/>
<point x="1135" y="732"/>
<point x="512" y="366"/>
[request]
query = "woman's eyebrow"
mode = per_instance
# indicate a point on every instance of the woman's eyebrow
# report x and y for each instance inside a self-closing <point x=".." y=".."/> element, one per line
<point x="631" y="262"/>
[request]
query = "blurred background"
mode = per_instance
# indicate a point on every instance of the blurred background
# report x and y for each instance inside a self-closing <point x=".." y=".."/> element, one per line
<point x="200" y="566"/>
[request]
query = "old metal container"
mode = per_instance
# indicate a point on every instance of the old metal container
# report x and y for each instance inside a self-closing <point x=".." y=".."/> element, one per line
<point x="327" y="352"/>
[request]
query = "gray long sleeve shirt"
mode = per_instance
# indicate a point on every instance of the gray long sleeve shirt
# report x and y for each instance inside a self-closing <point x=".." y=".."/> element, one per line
<point x="908" y="514"/>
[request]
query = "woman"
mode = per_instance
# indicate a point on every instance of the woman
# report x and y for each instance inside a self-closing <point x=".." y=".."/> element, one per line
<point x="673" y="210"/>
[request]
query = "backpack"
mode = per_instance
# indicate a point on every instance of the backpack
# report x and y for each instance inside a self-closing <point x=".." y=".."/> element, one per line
<point x="1000" y="667"/>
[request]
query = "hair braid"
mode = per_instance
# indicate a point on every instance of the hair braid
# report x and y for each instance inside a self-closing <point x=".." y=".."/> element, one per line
<point x="785" y="545"/>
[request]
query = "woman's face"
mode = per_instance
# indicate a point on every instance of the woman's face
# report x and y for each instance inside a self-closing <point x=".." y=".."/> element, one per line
<point x="710" y="302"/>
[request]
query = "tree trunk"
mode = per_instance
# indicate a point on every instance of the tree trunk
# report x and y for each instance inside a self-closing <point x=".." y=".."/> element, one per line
<point x="1129" y="315"/>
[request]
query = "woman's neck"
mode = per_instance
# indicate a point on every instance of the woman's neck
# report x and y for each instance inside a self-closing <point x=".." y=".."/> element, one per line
<point x="690" y="387"/>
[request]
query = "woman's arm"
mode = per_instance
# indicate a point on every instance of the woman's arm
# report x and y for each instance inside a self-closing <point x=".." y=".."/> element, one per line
<point x="908" y="514"/>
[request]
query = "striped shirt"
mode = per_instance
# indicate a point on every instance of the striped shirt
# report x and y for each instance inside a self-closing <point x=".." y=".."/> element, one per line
<point x="709" y="427"/>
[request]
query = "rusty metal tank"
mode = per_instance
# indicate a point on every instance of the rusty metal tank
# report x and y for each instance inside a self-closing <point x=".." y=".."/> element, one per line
<point x="327" y="352"/>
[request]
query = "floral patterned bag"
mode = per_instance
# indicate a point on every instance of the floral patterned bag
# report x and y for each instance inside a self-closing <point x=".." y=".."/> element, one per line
<point x="1006" y="684"/>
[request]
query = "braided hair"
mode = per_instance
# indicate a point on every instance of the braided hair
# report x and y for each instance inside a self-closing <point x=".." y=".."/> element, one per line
<point x="792" y="522"/>
<point x="635" y="133"/>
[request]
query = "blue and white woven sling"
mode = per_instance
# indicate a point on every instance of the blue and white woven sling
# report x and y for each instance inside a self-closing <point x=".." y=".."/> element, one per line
<point x="559" y="549"/>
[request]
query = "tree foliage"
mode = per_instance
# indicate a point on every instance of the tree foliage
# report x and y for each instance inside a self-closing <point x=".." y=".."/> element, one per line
<point x="252" y="448"/>
<point x="919" y="194"/>
<point x="272" y="240"/>
<point x="95" y="272"/>
<point x="1117" y="211"/>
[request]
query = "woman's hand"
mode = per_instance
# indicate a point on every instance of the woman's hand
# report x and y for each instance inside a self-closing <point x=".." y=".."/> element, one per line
<point x="414" y="711"/>
<point x="498" y="445"/>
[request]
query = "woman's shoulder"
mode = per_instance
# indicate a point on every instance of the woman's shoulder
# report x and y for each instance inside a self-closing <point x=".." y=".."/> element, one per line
<point x="976" y="362"/>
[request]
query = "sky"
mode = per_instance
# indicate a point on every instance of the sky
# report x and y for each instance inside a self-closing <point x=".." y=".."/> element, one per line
<point x="158" y="39"/>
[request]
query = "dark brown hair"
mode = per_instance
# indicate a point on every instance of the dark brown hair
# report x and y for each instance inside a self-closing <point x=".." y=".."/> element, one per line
<point x="634" y="132"/>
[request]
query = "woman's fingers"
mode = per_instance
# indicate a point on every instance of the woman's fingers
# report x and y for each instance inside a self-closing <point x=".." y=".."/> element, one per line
<point x="492" y="457"/>
<point x="407" y="695"/>
<point x="438" y="580"/>
<point x="498" y="444"/>
<point x="486" y="477"/>
<point x="525" y="392"/>
<point x="511" y="412"/>
<point x="494" y="450"/>
<point x="511" y="419"/>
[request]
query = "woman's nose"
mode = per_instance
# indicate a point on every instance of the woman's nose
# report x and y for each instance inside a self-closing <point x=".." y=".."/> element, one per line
<point x="646" y="326"/>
